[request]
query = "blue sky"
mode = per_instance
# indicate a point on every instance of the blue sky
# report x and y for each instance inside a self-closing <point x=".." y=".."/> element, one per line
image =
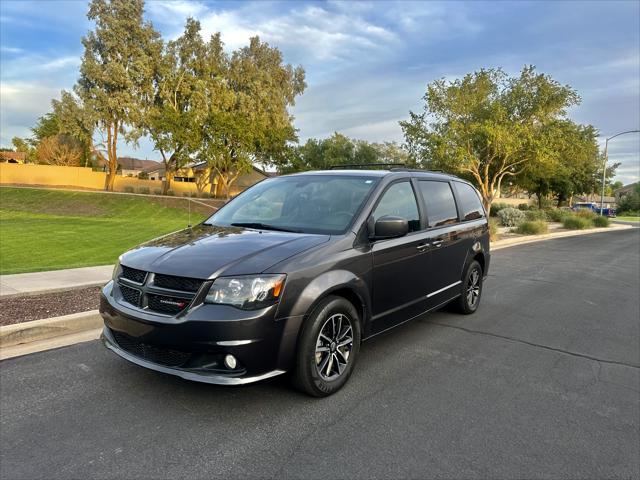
<point x="367" y="63"/>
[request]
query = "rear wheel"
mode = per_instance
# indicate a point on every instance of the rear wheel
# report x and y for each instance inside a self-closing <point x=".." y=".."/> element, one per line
<point x="471" y="289"/>
<point x="328" y="347"/>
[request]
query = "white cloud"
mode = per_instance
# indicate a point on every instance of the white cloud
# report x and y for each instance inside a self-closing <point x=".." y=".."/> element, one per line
<point x="6" y="49"/>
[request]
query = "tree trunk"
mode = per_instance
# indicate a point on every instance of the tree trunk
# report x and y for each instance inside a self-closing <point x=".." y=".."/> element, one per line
<point x="166" y="183"/>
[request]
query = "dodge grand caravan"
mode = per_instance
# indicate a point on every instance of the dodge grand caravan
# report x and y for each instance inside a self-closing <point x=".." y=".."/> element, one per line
<point x="294" y="273"/>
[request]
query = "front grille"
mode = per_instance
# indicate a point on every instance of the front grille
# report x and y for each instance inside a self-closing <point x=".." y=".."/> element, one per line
<point x="133" y="274"/>
<point x="155" y="300"/>
<point x="153" y="353"/>
<point x="162" y="303"/>
<point x="131" y="295"/>
<point x="177" y="283"/>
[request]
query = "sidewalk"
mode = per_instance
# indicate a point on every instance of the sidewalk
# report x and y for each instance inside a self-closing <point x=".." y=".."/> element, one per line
<point x="23" y="283"/>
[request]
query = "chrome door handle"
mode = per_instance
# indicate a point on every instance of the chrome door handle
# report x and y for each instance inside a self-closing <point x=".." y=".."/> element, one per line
<point x="437" y="243"/>
<point x="422" y="247"/>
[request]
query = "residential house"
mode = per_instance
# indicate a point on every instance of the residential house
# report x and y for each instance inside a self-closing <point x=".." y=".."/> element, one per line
<point x="12" y="157"/>
<point x="192" y="170"/>
<point x="131" y="167"/>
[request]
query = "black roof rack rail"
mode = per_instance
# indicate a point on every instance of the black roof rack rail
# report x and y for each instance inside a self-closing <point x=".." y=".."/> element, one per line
<point x="365" y="165"/>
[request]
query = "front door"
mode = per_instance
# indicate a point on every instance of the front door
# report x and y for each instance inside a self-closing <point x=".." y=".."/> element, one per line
<point x="400" y="265"/>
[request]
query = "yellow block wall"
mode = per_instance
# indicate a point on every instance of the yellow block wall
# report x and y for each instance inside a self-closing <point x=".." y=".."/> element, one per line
<point x="81" y="177"/>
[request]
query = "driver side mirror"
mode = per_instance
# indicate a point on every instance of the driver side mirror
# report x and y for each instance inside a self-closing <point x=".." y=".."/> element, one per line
<point x="387" y="227"/>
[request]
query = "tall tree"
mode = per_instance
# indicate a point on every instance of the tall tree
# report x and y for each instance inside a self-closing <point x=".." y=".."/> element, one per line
<point x="116" y="73"/>
<point x="486" y="126"/>
<point x="249" y="95"/>
<point x="179" y="101"/>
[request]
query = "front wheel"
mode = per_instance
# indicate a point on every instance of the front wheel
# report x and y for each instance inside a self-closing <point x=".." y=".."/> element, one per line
<point x="471" y="289"/>
<point x="328" y="347"/>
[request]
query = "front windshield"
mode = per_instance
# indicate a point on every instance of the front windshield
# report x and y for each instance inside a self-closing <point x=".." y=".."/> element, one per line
<point x="303" y="203"/>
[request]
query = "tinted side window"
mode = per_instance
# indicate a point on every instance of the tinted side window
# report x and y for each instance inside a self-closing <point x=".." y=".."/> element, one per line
<point x="399" y="201"/>
<point x="470" y="206"/>
<point x="441" y="206"/>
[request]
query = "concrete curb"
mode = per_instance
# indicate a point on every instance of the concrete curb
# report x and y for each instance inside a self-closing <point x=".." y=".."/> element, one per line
<point x="38" y="330"/>
<point x="512" y="242"/>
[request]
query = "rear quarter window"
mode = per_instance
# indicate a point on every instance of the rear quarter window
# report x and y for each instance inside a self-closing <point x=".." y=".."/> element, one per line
<point x="470" y="204"/>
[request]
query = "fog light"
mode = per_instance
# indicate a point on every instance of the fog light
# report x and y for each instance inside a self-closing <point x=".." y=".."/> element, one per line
<point x="230" y="362"/>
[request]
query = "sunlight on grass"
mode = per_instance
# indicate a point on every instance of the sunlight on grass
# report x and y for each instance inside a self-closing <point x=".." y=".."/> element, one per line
<point x="49" y="229"/>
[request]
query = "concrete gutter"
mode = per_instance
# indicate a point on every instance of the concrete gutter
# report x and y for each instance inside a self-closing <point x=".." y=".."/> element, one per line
<point x="24" y="333"/>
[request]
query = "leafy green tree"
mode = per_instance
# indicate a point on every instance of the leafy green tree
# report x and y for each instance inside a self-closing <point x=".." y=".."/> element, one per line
<point x="339" y="149"/>
<point x="78" y="121"/>
<point x="116" y="73"/>
<point x="569" y="162"/>
<point x="179" y="100"/>
<point x="46" y="126"/>
<point x="24" y="146"/>
<point x="248" y="121"/>
<point x="486" y="126"/>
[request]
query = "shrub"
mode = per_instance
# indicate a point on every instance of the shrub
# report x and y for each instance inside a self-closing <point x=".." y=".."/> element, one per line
<point x="493" y="229"/>
<point x="533" y="227"/>
<point x="534" y="214"/>
<point x="143" y="190"/>
<point x="557" y="215"/>
<point x="523" y="206"/>
<point x="574" y="222"/>
<point x="157" y="191"/>
<point x="628" y="213"/>
<point x="511" y="217"/>
<point x="205" y="195"/>
<point x="127" y="189"/>
<point x="170" y="193"/>
<point x="601" y="221"/>
<point x="496" y="207"/>
<point x="584" y="213"/>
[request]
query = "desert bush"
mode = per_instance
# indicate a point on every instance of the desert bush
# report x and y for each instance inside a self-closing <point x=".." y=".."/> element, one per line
<point x="532" y="227"/>
<point x="584" y="213"/>
<point x="61" y="150"/>
<point x="496" y="207"/>
<point x="534" y="214"/>
<point x="170" y="193"/>
<point x="511" y="217"/>
<point x="127" y="189"/>
<point x="493" y="229"/>
<point x="143" y="190"/>
<point x="557" y="215"/>
<point x="157" y="191"/>
<point x="523" y="206"/>
<point x="601" y="221"/>
<point x="575" y="222"/>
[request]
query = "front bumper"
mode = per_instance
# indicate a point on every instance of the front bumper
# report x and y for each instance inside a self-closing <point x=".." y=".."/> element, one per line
<point x="193" y="345"/>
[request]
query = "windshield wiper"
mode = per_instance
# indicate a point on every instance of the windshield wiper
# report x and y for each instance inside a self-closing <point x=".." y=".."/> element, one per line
<point x="264" y="226"/>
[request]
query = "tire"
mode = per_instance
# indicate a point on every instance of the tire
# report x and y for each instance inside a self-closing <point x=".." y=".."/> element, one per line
<point x="324" y="361"/>
<point x="471" y="294"/>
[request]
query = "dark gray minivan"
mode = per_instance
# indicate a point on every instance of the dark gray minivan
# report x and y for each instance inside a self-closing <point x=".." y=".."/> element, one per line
<point x="295" y="272"/>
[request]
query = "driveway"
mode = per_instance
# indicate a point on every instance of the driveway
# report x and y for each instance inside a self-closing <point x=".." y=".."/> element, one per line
<point x="543" y="382"/>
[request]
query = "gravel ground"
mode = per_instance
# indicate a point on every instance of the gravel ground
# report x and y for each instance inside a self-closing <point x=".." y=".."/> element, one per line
<point x="34" y="307"/>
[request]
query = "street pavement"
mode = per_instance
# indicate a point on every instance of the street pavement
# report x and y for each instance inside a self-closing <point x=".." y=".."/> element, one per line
<point x="542" y="382"/>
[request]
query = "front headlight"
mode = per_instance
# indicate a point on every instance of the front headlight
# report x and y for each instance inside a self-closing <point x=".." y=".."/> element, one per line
<point x="250" y="292"/>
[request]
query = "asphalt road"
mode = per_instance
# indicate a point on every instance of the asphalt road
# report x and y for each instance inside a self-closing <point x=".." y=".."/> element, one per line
<point x="542" y="382"/>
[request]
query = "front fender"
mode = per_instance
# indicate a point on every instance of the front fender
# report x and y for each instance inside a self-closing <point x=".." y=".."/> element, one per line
<point x="321" y="286"/>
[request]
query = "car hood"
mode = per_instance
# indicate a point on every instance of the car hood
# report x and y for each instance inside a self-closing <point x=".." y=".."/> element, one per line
<point x="207" y="251"/>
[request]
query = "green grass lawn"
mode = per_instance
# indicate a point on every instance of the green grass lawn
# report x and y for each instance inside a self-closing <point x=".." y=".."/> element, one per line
<point x="628" y="219"/>
<point x="54" y="229"/>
